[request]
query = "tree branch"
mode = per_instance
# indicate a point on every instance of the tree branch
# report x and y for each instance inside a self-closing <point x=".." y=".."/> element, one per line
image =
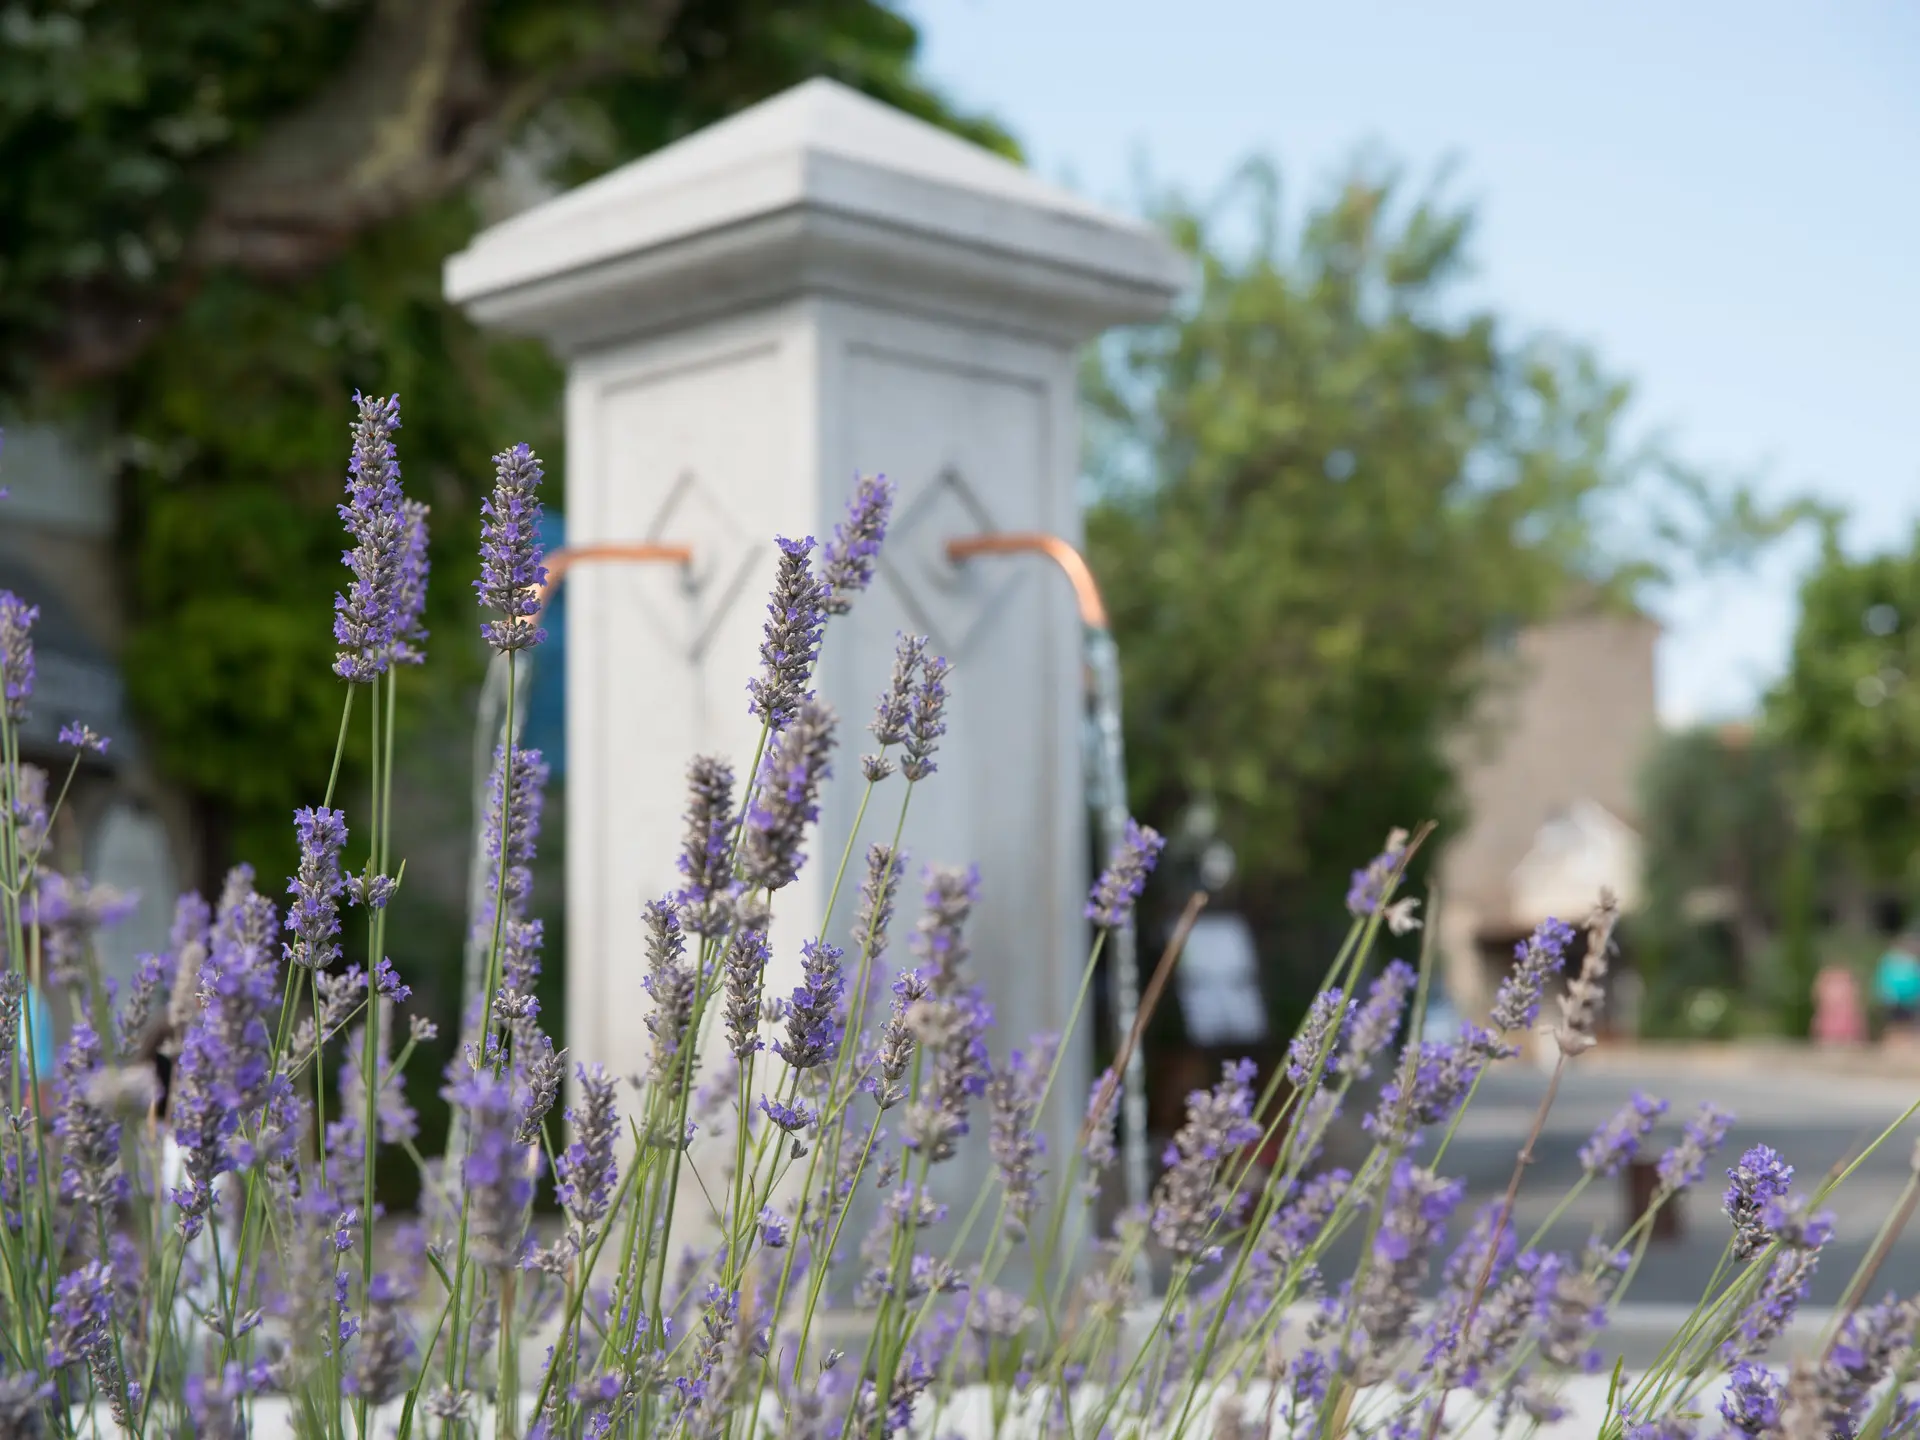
<point x="414" y="116"/>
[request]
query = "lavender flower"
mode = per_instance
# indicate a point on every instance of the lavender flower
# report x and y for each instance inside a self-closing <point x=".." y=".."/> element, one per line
<point x="706" y="852"/>
<point x="813" y="1032"/>
<point x="585" y="1170"/>
<point x="796" y="620"/>
<point x="512" y="829"/>
<point x="81" y="1316"/>
<point x="1103" y="1111"/>
<point x="1783" y="1288"/>
<point x="1824" y="1398"/>
<point x="511" y="572"/>
<point x="1296" y="1225"/>
<point x="940" y="938"/>
<point x="893" y="715"/>
<point x="82" y="737"/>
<point x="786" y="799"/>
<point x="1412" y="1221"/>
<point x="951" y="1030"/>
<point x="496" y="1173"/>
<point x="395" y="1117"/>
<point x="378" y="1373"/>
<point x="16" y="653"/>
<point x="30" y="807"/>
<point x="89" y="1137"/>
<point x="1751" y="1406"/>
<point x="71" y="911"/>
<point x="1190" y="1197"/>
<point x="896" y="1042"/>
<point x="1574" y="1307"/>
<point x="1517" y="1005"/>
<point x="792" y="1117"/>
<point x="1014" y="1093"/>
<point x="25" y="1399"/>
<point x="1120" y="885"/>
<point x="856" y="541"/>
<point x="1685" y="1163"/>
<point x="670" y="983"/>
<point x="875" y="911"/>
<point x="1760" y="1177"/>
<point x="314" y="917"/>
<point x="1431" y="1084"/>
<point x="410" y="587"/>
<point x="926" y="719"/>
<point x="775" y="1229"/>
<point x="1796" y="1224"/>
<point x="543" y="1070"/>
<point x="746" y="969"/>
<point x="1615" y="1143"/>
<point x="1326" y="1022"/>
<point x="1371" y="886"/>
<point x="515" y="1005"/>
<point x="364" y="617"/>
<point x="1378" y="1020"/>
<point x="225" y="1072"/>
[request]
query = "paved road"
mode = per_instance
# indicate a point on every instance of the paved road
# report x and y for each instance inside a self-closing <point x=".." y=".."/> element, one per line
<point x="1818" y="1116"/>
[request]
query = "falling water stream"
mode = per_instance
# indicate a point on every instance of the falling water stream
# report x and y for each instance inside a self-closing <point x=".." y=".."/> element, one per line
<point x="1106" y="763"/>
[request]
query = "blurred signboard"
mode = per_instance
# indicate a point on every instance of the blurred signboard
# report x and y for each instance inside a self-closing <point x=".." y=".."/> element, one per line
<point x="1219" y="983"/>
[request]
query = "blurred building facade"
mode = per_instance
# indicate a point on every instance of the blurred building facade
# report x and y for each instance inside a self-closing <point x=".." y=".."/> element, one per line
<point x="57" y="535"/>
<point x="1549" y="772"/>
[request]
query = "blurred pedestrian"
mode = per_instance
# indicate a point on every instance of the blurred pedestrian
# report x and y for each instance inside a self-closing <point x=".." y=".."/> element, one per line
<point x="1896" y="986"/>
<point x="1839" y="1008"/>
<point x="36" y="1021"/>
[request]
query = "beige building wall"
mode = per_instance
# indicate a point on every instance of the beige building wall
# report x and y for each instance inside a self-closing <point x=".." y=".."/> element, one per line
<point x="1570" y="718"/>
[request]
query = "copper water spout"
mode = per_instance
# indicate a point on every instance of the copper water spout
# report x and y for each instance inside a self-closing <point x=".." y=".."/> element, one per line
<point x="1086" y="592"/>
<point x="562" y="560"/>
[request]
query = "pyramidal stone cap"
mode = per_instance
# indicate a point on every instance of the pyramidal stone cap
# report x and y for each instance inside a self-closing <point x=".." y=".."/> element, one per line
<point x="818" y="190"/>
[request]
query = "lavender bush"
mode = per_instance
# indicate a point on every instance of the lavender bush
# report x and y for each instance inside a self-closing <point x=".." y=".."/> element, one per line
<point x="190" y="1241"/>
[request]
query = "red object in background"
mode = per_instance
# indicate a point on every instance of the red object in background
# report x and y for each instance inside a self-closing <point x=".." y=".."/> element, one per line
<point x="1839" y="1008"/>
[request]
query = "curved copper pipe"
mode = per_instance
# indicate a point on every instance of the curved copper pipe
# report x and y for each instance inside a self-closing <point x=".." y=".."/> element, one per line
<point x="1086" y="592"/>
<point x="564" y="559"/>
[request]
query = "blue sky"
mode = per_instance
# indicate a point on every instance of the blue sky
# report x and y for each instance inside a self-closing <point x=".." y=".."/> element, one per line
<point x="1723" y="199"/>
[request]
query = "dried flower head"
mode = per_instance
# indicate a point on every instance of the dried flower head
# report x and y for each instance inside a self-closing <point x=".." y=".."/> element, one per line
<point x="1580" y="1006"/>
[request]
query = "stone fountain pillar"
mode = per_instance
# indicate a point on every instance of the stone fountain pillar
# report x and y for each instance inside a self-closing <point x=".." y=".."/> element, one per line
<point x="816" y="287"/>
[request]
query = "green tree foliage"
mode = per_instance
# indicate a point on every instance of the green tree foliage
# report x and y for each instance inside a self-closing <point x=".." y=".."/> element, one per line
<point x="1723" y="870"/>
<point x="223" y="216"/>
<point x="1324" y="489"/>
<point x="1849" y="707"/>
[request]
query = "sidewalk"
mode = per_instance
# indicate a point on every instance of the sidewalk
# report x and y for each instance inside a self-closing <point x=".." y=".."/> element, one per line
<point x="1774" y="1057"/>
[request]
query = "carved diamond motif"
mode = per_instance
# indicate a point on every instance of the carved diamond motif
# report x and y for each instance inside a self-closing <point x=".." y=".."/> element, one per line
<point x="686" y="603"/>
<point x="949" y="602"/>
